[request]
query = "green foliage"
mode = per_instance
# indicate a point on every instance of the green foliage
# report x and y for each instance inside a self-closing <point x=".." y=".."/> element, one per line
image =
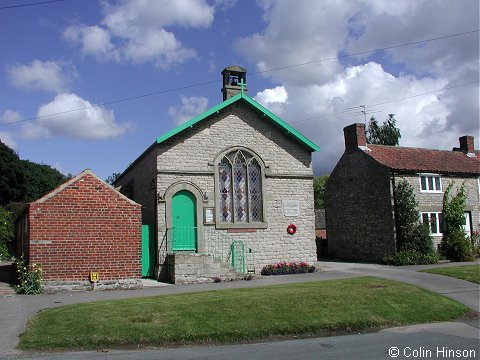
<point x="29" y="277"/>
<point x="455" y="246"/>
<point x="412" y="257"/>
<point x="12" y="176"/>
<point x="387" y="134"/>
<point x="454" y="208"/>
<point x="414" y="244"/>
<point x="6" y="233"/>
<point x="319" y="190"/>
<point x="40" y="179"/>
<point x="23" y="180"/>
<point x="407" y="213"/>
<point x="112" y="178"/>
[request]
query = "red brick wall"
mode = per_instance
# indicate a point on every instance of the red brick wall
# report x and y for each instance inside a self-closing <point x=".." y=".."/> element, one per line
<point x="86" y="227"/>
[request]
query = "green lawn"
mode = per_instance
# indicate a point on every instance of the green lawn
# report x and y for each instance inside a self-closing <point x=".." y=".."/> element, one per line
<point x="236" y="315"/>
<point x="468" y="272"/>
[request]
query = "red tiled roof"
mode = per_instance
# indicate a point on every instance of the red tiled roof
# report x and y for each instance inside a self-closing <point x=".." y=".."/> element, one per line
<point x="427" y="160"/>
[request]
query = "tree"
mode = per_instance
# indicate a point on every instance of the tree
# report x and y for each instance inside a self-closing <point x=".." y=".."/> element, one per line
<point x="112" y="178"/>
<point x="387" y="134"/>
<point x="414" y="244"/>
<point x="6" y="233"/>
<point x="319" y="190"/>
<point x="455" y="245"/>
<point x="23" y="180"/>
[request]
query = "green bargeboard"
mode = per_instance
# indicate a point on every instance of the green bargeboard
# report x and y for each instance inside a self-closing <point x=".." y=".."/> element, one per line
<point x="148" y="251"/>
<point x="184" y="221"/>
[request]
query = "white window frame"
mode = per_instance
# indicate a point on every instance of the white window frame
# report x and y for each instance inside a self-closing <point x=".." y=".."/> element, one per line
<point x="437" y="222"/>
<point x="431" y="186"/>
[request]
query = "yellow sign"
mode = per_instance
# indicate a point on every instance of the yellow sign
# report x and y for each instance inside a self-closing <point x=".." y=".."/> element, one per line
<point x="94" y="276"/>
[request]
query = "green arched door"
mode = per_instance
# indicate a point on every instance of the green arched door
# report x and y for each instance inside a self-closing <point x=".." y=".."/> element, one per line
<point x="184" y="222"/>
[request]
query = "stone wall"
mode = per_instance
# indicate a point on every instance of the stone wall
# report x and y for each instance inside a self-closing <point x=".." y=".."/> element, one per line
<point x="189" y="156"/>
<point x="359" y="209"/>
<point x="85" y="226"/>
<point x="433" y="202"/>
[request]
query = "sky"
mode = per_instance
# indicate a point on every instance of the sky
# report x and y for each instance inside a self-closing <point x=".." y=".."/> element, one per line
<point x="92" y="84"/>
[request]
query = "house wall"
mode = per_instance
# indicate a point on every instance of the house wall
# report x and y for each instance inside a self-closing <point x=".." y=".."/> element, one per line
<point x="433" y="202"/>
<point x="143" y="176"/>
<point x="86" y="226"/>
<point x="189" y="156"/>
<point x="359" y="210"/>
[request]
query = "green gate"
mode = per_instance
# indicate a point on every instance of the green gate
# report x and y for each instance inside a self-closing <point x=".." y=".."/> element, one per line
<point x="184" y="224"/>
<point x="238" y="256"/>
<point x="148" y="251"/>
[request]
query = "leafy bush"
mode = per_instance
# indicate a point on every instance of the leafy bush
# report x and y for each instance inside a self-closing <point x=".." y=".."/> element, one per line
<point x="414" y="243"/>
<point x="29" y="278"/>
<point x="6" y="233"/>
<point x="475" y="240"/>
<point x="412" y="257"/>
<point x="455" y="246"/>
<point x="283" y="268"/>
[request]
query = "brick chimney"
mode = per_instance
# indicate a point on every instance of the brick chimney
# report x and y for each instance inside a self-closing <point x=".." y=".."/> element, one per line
<point x="467" y="145"/>
<point x="355" y="137"/>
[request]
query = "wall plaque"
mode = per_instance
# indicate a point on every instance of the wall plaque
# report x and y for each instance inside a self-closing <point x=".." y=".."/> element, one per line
<point x="291" y="208"/>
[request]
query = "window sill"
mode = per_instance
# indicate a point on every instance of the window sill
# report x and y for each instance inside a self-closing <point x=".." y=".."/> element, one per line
<point x="253" y="225"/>
<point x="431" y="192"/>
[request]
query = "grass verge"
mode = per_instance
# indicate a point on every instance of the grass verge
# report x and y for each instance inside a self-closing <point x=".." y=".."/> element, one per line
<point x="236" y="315"/>
<point x="467" y="272"/>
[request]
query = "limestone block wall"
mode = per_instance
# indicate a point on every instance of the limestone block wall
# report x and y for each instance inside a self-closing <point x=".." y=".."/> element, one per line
<point x="190" y="155"/>
<point x="143" y="175"/>
<point x="433" y="202"/>
<point x="359" y="209"/>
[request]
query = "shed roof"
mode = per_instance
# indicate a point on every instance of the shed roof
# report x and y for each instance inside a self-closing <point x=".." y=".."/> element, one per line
<point x="425" y="160"/>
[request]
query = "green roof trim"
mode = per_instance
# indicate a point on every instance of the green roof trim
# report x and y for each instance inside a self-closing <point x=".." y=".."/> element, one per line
<point x="242" y="96"/>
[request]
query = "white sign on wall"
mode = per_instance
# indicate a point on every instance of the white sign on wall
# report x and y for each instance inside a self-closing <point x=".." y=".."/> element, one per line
<point x="291" y="208"/>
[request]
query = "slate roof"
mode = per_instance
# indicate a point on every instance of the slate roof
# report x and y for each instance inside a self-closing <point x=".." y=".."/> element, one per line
<point x="425" y="160"/>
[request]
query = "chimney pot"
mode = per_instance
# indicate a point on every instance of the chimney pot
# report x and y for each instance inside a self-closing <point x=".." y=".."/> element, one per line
<point x="355" y="137"/>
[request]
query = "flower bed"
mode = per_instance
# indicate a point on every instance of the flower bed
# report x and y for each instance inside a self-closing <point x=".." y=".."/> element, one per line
<point x="283" y="268"/>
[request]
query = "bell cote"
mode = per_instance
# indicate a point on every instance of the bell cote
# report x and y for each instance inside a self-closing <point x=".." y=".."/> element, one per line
<point x="234" y="81"/>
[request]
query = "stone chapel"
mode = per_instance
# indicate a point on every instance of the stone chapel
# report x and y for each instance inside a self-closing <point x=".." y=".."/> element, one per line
<point x="225" y="193"/>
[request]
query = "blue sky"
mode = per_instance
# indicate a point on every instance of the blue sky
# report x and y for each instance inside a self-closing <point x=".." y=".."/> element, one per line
<point x="63" y="56"/>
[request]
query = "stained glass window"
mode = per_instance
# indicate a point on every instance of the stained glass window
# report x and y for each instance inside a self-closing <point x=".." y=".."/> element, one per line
<point x="240" y="188"/>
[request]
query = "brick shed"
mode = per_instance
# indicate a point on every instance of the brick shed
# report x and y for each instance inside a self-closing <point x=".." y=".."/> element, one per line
<point x="83" y="226"/>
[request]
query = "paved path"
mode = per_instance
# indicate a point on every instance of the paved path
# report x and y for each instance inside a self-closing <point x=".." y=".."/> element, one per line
<point x="15" y="310"/>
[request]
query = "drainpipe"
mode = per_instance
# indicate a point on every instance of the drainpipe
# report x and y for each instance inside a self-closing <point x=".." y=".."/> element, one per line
<point x="394" y="195"/>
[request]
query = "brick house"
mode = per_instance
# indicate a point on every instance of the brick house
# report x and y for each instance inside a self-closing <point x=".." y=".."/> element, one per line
<point x="224" y="187"/>
<point x="82" y="226"/>
<point x="359" y="194"/>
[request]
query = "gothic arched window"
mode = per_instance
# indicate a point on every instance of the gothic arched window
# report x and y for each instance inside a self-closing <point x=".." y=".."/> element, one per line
<point x="240" y="196"/>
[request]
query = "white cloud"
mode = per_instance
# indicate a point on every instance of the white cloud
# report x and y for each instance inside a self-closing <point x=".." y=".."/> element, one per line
<point x="303" y="32"/>
<point x="77" y="118"/>
<point x="135" y="30"/>
<point x="94" y="40"/>
<point x="42" y="75"/>
<point x="10" y="116"/>
<point x="8" y="139"/>
<point x="269" y="96"/>
<point x="191" y="107"/>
